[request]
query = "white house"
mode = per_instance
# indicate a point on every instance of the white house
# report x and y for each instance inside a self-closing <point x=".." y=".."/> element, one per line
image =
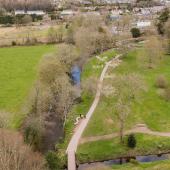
<point x="36" y="12"/>
<point x="143" y="24"/>
<point x="67" y="13"/>
<point x="22" y="12"/>
<point x="19" y="12"/>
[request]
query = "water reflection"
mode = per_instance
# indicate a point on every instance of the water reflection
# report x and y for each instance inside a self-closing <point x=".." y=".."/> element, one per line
<point x="142" y="159"/>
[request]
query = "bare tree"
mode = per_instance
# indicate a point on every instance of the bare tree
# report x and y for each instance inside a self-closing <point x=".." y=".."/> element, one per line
<point x="26" y="4"/>
<point x="153" y="51"/>
<point x="167" y="34"/>
<point x="15" y="155"/>
<point x="127" y="89"/>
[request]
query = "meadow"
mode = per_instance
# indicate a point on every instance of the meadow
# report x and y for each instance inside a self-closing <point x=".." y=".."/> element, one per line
<point x="18" y="71"/>
<point x="112" y="149"/>
<point x="150" y="108"/>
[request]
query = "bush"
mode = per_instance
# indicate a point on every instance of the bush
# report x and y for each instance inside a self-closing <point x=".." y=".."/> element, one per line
<point x="55" y="161"/>
<point x="167" y="94"/>
<point x="131" y="141"/>
<point x="26" y="19"/>
<point x="135" y="32"/>
<point x="6" y="19"/>
<point x="52" y="162"/>
<point x="134" y="161"/>
<point x="14" y="43"/>
<point x="161" y="82"/>
<point x="33" y="133"/>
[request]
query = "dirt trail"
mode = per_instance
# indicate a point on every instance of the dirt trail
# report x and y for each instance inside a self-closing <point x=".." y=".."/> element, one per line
<point x="140" y="128"/>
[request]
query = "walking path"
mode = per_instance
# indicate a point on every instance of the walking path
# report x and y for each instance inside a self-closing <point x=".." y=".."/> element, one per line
<point x="72" y="147"/>
<point x="140" y="128"/>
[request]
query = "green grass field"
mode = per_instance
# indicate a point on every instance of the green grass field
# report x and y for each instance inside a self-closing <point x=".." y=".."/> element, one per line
<point x="150" y="108"/>
<point x="18" y="70"/>
<point x="110" y="149"/>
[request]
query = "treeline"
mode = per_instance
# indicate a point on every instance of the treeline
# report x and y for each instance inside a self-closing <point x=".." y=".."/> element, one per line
<point x="54" y="93"/>
<point x="11" y="5"/>
<point x="19" y="19"/>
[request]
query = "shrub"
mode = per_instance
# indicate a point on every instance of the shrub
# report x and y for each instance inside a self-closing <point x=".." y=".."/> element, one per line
<point x="55" y="161"/>
<point x="167" y="94"/>
<point x="51" y="158"/>
<point x="14" y="43"/>
<point x="134" y="161"/>
<point x="131" y="141"/>
<point x="26" y="19"/>
<point x="7" y="19"/>
<point x="135" y="32"/>
<point x="161" y="82"/>
<point x="33" y="133"/>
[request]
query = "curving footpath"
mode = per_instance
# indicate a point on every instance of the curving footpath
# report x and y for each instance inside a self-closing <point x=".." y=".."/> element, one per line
<point x="140" y="128"/>
<point x="72" y="147"/>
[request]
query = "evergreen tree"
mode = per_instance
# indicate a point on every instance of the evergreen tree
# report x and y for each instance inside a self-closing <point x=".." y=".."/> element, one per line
<point x="131" y="141"/>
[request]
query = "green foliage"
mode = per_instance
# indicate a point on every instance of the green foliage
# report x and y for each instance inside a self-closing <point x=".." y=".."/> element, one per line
<point x="112" y="149"/>
<point x="14" y="43"/>
<point x="162" y="19"/>
<point x="33" y="133"/>
<point x="54" y="161"/>
<point x="7" y="19"/>
<point x="135" y="32"/>
<point x="131" y="143"/>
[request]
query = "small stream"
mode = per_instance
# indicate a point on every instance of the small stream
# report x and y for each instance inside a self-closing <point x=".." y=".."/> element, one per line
<point x="109" y="163"/>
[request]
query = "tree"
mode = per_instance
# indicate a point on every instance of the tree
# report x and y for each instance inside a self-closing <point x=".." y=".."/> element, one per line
<point x="15" y="155"/>
<point x="10" y="5"/>
<point x="162" y="19"/>
<point x="55" y="35"/>
<point x="2" y="11"/>
<point x="53" y="99"/>
<point x="122" y="111"/>
<point x="51" y="35"/>
<point x="127" y="89"/>
<point x="153" y="51"/>
<point x="26" y="19"/>
<point x="135" y="32"/>
<point x="131" y="141"/>
<point x="68" y="55"/>
<point x="167" y="35"/>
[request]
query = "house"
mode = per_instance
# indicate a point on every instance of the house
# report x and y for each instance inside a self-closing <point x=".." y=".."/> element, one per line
<point x="143" y="24"/>
<point x="36" y="12"/>
<point x="65" y="13"/>
<point x="22" y="12"/>
<point x="19" y="12"/>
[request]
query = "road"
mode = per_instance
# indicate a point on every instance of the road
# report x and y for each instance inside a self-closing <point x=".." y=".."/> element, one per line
<point x="73" y="144"/>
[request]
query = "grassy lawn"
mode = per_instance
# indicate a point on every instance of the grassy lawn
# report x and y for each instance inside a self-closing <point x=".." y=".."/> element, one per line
<point x="87" y="98"/>
<point x="110" y="149"/>
<point x="18" y="69"/>
<point x="150" y="108"/>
